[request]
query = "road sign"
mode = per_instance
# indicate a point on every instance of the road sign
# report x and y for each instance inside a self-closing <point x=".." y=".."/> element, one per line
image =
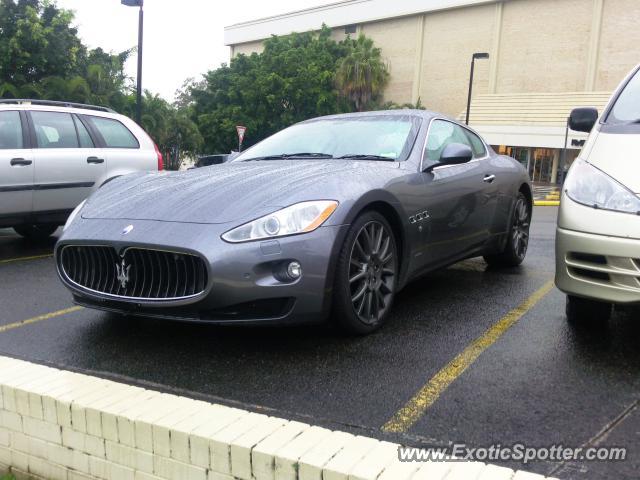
<point x="240" y="129"/>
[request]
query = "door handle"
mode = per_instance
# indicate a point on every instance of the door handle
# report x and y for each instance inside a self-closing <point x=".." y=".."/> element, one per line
<point x="489" y="178"/>
<point x="20" y="162"/>
<point x="95" y="160"/>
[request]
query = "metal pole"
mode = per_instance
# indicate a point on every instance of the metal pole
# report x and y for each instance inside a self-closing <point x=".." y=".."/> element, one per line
<point x="473" y="59"/>
<point x="563" y="157"/>
<point x="139" y="85"/>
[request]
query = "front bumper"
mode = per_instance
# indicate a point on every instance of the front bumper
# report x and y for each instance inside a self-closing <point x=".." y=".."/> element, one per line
<point x="598" y="267"/>
<point x="242" y="286"/>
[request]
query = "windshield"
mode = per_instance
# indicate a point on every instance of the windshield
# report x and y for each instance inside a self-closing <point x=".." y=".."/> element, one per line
<point x="375" y="137"/>
<point x="627" y="106"/>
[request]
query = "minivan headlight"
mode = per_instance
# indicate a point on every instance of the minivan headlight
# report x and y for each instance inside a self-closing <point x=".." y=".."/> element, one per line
<point x="302" y="217"/>
<point x="590" y="186"/>
<point x="73" y="215"/>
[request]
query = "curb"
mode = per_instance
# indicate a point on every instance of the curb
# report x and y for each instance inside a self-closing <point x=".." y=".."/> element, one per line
<point x="546" y="203"/>
<point x="60" y="425"/>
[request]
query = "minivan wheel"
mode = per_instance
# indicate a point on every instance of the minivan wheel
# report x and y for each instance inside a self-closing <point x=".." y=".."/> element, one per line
<point x="366" y="275"/>
<point x="518" y="237"/>
<point x="583" y="310"/>
<point x="35" y="232"/>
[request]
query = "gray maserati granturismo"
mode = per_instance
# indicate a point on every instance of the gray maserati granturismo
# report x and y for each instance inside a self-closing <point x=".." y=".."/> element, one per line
<point x="326" y="219"/>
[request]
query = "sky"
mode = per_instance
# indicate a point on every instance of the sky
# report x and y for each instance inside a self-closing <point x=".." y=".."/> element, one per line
<point x="182" y="38"/>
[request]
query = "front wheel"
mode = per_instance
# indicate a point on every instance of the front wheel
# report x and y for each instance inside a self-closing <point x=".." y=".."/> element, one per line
<point x="366" y="275"/>
<point x="583" y="310"/>
<point x="518" y="238"/>
<point x="35" y="232"/>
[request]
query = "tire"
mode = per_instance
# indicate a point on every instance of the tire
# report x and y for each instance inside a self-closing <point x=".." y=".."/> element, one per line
<point x="515" y="250"/>
<point x="585" y="311"/>
<point x="35" y="232"/>
<point x="366" y="275"/>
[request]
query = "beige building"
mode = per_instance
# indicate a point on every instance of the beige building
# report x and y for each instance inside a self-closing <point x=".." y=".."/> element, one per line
<point x="546" y="56"/>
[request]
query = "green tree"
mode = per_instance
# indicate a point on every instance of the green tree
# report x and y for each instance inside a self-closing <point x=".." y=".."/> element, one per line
<point x="362" y="74"/>
<point x="42" y="57"/>
<point x="172" y="129"/>
<point x="291" y="80"/>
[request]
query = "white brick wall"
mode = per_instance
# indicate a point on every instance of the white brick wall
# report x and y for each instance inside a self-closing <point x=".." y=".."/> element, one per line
<point x="57" y="425"/>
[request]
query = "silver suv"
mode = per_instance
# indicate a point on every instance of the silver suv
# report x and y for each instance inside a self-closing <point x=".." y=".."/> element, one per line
<point x="53" y="155"/>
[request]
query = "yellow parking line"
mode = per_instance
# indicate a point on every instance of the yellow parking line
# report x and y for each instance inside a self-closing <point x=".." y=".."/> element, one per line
<point x="21" y="259"/>
<point x="547" y="203"/>
<point x="39" y="318"/>
<point x="427" y="395"/>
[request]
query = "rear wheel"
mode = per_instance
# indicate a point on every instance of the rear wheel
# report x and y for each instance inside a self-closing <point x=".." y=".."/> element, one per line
<point x="518" y="239"/>
<point x="366" y="275"/>
<point x="35" y="232"/>
<point x="583" y="310"/>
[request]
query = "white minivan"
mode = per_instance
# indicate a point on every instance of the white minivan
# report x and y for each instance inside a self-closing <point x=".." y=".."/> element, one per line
<point x="53" y="155"/>
<point x="598" y="234"/>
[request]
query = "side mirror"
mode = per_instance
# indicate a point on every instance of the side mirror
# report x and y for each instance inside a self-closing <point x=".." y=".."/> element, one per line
<point x="453" y="154"/>
<point x="583" y="119"/>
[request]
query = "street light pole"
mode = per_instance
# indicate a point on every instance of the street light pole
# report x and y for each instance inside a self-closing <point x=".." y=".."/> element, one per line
<point x="138" y="3"/>
<point x="139" y="82"/>
<point x="473" y="63"/>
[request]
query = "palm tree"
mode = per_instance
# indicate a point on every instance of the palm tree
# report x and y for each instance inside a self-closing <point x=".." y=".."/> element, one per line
<point x="362" y="74"/>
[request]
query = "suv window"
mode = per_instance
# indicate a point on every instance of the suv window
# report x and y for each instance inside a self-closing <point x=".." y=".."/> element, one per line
<point x="83" y="134"/>
<point x="441" y="134"/>
<point x="54" y="130"/>
<point x="10" y="130"/>
<point x="114" y="133"/>
<point x="627" y="106"/>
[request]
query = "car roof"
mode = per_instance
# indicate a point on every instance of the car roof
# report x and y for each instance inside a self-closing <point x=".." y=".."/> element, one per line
<point x="55" y="106"/>
<point x="425" y="114"/>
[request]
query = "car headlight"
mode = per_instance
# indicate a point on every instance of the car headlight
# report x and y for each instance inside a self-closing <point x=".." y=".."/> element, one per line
<point x="299" y="218"/>
<point x="73" y="215"/>
<point x="590" y="186"/>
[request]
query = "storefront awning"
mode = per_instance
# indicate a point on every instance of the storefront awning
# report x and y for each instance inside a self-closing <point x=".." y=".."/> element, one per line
<point x="530" y="119"/>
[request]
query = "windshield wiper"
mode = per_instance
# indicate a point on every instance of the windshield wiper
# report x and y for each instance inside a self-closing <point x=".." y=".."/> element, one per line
<point x="284" y="156"/>
<point x="363" y="156"/>
<point x="634" y="122"/>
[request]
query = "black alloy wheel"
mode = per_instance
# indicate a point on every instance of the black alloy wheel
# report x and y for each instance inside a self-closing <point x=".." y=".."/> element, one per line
<point x="520" y="229"/>
<point x="367" y="275"/>
<point x="517" y="242"/>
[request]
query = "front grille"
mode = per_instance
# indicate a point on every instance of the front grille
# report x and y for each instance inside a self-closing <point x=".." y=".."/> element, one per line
<point x="140" y="273"/>
<point x="621" y="272"/>
<point x="591" y="274"/>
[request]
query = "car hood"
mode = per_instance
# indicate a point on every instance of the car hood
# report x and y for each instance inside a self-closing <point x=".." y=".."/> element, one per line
<point x="617" y="156"/>
<point x="225" y="193"/>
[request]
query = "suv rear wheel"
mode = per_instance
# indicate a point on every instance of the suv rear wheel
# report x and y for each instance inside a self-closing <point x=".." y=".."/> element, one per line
<point x="583" y="310"/>
<point x="36" y="232"/>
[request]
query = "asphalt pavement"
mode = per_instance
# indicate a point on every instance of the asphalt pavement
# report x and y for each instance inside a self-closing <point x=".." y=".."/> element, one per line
<point x="533" y="379"/>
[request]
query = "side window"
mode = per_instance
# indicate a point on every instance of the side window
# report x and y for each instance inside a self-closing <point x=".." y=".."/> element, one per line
<point x="54" y="130"/>
<point x="10" y="130"/>
<point x="477" y="145"/>
<point x="83" y="134"/>
<point x="441" y="134"/>
<point x="114" y="133"/>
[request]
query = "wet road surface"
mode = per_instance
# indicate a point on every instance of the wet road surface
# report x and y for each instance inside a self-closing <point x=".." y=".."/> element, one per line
<point x="540" y="382"/>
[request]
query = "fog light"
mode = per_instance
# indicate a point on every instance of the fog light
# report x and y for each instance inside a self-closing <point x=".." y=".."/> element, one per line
<point x="294" y="270"/>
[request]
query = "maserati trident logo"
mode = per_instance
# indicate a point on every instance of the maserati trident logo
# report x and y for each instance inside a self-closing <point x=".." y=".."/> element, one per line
<point x="122" y="271"/>
<point x="127" y="229"/>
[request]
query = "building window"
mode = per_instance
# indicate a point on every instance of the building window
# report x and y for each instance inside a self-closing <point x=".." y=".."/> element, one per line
<point x="350" y="29"/>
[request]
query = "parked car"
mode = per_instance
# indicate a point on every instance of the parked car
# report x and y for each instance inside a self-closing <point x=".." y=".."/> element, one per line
<point x="53" y="155"/>
<point x="598" y="234"/>
<point x="208" y="160"/>
<point x="331" y="216"/>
